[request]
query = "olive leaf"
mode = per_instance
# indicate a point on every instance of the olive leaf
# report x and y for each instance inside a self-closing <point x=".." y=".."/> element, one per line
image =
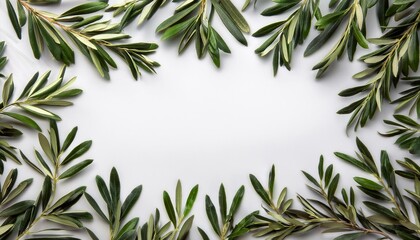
<point x="3" y="59"/>
<point x="143" y="9"/>
<point x="179" y="213"/>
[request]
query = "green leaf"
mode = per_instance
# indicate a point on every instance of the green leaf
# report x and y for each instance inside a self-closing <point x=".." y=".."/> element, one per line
<point x="103" y="190"/>
<point x="229" y="23"/>
<point x="359" y="36"/>
<point x="178" y="197"/>
<point x="95" y="206"/>
<point x="39" y="112"/>
<point x="46" y="192"/>
<point x="85" y="8"/>
<point x="176" y="18"/>
<point x="8" y="88"/>
<point x="76" y="169"/>
<point x="45" y="144"/>
<point x="369" y="184"/>
<point x="407" y="120"/>
<point x="17" y="191"/>
<point x="64" y="220"/>
<point x="330" y="18"/>
<point x="16" y="208"/>
<point x="192" y="196"/>
<point x="333" y="187"/>
<point x="68" y="200"/>
<point x="237" y="199"/>
<point x="169" y="208"/>
<point x="23" y="119"/>
<point x="260" y="189"/>
<point x="212" y="215"/>
<point x="14" y="19"/>
<point x="130" y="201"/>
<point x="185" y="229"/>
<point x="114" y="187"/>
<point x="350" y="236"/>
<point x="222" y="203"/>
<point x="128" y="227"/>
<point x="69" y="139"/>
<point x="203" y="234"/>
<point x="237" y="17"/>
<point x="78" y="151"/>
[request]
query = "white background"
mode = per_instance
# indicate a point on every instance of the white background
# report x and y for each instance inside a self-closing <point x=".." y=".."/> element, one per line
<point x="200" y="124"/>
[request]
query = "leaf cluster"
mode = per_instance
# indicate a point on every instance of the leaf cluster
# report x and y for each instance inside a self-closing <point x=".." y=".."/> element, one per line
<point x="177" y="228"/>
<point x="22" y="217"/>
<point x="286" y="35"/>
<point x="398" y="53"/>
<point x="37" y="94"/>
<point x="131" y="9"/>
<point x="192" y="21"/>
<point x="227" y="229"/>
<point x="388" y="214"/>
<point x="94" y="37"/>
<point x="408" y="131"/>
<point x="117" y="210"/>
<point x="410" y="96"/>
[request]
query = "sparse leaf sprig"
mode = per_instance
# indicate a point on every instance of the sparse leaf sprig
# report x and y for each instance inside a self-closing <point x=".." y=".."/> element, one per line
<point x="398" y="53"/>
<point x="192" y="21"/>
<point x="117" y="210"/>
<point x="329" y="212"/>
<point x="388" y="204"/>
<point x="37" y="93"/>
<point x="286" y="35"/>
<point x="353" y="14"/>
<point x="225" y="227"/>
<point x="178" y="213"/>
<point x="92" y="36"/>
<point x="26" y="215"/>
<point x="281" y="220"/>
<point x="408" y="131"/>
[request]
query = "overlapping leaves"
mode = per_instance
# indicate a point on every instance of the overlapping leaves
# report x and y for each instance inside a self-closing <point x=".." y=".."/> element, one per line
<point x="93" y="36"/>
<point x="37" y="94"/>
<point x="285" y="35"/>
<point x="192" y="21"/>
<point x="398" y="53"/>
<point x="352" y="15"/>
<point x="408" y="131"/>
<point x="24" y="216"/>
<point x="227" y="229"/>
<point x="131" y="9"/>
<point x="385" y="213"/>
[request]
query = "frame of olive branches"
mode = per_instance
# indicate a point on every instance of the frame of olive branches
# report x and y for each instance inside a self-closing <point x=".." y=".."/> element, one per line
<point x="388" y="212"/>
